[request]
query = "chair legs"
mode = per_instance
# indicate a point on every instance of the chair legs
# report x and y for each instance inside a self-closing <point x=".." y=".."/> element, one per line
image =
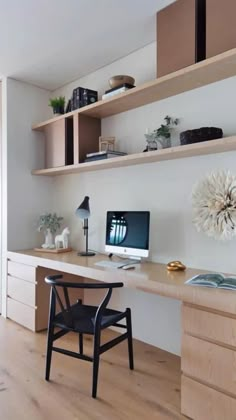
<point x="130" y="339"/>
<point x="96" y="359"/>
<point x="49" y="352"/>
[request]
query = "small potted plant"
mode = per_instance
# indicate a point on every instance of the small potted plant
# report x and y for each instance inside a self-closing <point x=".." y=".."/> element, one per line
<point x="58" y="105"/>
<point x="49" y="223"/>
<point x="161" y="135"/>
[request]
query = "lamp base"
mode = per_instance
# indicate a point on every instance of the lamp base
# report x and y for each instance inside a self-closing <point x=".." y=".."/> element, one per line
<point x="86" y="254"/>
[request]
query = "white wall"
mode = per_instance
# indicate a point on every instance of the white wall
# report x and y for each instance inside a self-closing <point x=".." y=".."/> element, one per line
<point x="163" y="188"/>
<point x="25" y="196"/>
<point x="28" y="196"/>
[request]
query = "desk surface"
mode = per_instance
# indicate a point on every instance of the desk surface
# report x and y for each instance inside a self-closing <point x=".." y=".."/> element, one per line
<point x="147" y="277"/>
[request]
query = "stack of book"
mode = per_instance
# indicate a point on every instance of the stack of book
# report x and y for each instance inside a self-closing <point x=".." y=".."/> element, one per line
<point x="115" y="91"/>
<point x="90" y="157"/>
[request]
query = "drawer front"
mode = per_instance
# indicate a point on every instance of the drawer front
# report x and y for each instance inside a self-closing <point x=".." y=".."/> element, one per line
<point x="20" y="313"/>
<point x="21" y="290"/>
<point x="209" y="363"/>
<point x="209" y="326"/>
<point x="22" y="271"/>
<point x="200" y="402"/>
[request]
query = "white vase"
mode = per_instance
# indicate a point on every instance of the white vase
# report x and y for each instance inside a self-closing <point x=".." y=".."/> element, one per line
<point x="49" y="242"/>
<point x="164" y="142"/>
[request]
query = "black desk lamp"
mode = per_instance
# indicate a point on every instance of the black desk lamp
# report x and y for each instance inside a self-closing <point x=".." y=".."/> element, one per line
<point x="83" y="212"/>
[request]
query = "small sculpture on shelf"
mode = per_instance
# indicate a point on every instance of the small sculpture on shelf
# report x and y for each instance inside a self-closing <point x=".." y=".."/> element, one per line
<point x="62" y="241"/>
<point x="176" y="266"/>
<point x="49" y="223"/>
<point x="106" y="144"/>
<point x="161" y="137"/>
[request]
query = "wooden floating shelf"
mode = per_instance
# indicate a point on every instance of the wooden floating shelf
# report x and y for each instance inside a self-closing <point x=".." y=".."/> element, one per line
<point x="205" y="148"/>
<point x="201" y="74"/>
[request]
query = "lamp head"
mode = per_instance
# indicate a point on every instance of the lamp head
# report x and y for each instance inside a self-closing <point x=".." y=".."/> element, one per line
<point x="83" y="211"/>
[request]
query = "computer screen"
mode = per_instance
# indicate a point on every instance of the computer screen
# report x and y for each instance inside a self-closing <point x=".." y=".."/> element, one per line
<point x="127" y="232"/>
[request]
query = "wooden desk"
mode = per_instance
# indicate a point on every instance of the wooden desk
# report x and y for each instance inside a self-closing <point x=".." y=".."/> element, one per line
<point x="208" y="358"/>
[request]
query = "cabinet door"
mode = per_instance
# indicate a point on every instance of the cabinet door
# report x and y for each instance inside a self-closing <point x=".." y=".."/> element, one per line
<point x="200" y="402"/>
<point x="176" y="35"/>
<point x="220" y="26"/>
<point x="209" y="363"/>
<point x="20" y="313"/>
<point x="21" y="290"/>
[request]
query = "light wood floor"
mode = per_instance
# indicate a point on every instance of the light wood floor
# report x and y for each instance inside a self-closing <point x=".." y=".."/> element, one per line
<point x="151" y="391"/>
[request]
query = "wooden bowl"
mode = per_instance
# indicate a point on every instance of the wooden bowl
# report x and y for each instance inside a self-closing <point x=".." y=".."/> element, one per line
<point x="118" y="80"/>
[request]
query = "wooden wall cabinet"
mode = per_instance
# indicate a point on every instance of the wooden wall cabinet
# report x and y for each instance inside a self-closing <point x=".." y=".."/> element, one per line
<point x="176" y="37"/>
<point x="69" y="139"/>
<point x="189" y="31"/>
<point x="220" y="26"/>
<point x="208" y="387"/>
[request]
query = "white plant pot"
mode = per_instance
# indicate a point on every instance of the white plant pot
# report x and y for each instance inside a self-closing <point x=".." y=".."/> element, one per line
<point x="49" y="242"/>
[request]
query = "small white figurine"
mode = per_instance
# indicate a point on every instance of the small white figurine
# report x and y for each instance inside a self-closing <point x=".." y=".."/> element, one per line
<point x="63" y="239"/>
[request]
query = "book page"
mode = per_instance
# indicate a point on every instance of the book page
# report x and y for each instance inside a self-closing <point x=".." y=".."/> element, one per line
<point x="228" y="283"/>
<point x="208" y="280"/>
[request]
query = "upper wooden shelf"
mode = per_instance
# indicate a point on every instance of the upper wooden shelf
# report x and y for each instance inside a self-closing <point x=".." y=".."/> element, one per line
<point x="208" y="71"/>
<point x="205" y="148"/>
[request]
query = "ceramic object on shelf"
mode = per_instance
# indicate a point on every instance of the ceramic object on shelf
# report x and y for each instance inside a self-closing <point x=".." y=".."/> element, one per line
<point x="120" y="79"/>
<point x="176" y="266"/>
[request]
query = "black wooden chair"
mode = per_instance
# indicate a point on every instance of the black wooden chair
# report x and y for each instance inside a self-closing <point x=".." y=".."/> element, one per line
<point x="84" y="319"/>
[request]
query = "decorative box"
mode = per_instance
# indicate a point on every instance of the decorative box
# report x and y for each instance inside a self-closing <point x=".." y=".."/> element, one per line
<point x="200" y="134"/>
<point x="82" y="97"/>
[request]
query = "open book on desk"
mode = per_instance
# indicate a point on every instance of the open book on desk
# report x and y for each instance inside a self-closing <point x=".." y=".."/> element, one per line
<point x="213" y="280"/>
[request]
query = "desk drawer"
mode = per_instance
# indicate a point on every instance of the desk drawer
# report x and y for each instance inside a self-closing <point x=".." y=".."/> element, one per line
<point x="20" y="313"/>
<point x="22" y="271"/>
<point x="209" y="363"/>
<point x="200" y="402"/>
<point x="21" y="290"/>
<point x="209" y="326"/>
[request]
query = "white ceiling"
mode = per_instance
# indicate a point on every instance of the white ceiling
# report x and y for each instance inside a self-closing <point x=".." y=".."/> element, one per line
<point x="52" y="42"/>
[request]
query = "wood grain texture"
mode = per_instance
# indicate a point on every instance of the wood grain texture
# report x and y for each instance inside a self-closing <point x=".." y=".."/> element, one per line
<point x="200" y="74"/>
<point x="151" y="391"/>
<point x="220" y="28"/>
<point x="209" y="326"/>
<point x="89" y="133"/>
<point x="209" y="363"/>
<point x="176" y="27"/>
<point x="55" y="147"/>
<point x="200" y="402"/>
<point x="147" y="277"/>
<point x="198" y="149"/>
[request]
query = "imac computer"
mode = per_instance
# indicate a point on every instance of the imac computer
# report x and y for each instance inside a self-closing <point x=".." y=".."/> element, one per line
<point x="127" y="233"/>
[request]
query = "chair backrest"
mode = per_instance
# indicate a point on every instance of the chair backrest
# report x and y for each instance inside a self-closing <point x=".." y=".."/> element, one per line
<point x="64" y="299"/>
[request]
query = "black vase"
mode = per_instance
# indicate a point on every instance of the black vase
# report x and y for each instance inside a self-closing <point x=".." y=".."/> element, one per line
<point x="59" y="109"/>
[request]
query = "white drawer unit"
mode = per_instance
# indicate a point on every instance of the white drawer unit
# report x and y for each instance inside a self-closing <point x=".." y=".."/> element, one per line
<point x="20" y="313"/>
<point x="21" y="271"/>
<point x="22" y="291"/>
<point x="28" y="294"/>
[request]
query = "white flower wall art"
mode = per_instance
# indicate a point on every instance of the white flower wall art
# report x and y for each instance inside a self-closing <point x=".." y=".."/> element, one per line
<point x="214" y="205"/>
